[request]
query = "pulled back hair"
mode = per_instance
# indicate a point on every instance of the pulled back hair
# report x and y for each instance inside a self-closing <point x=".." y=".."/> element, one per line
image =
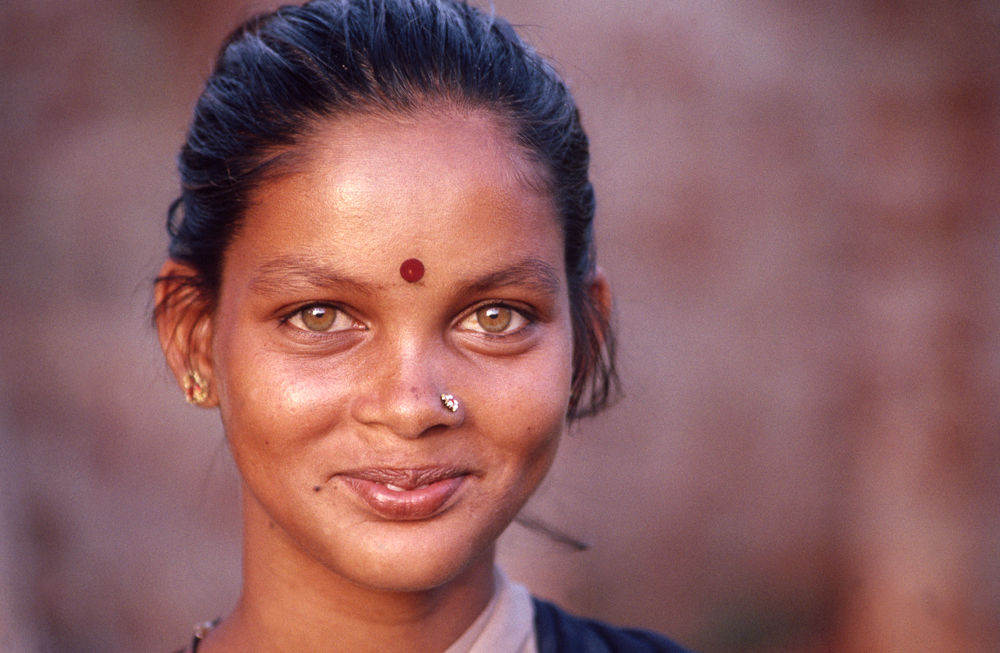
<point x="279" y="74"/>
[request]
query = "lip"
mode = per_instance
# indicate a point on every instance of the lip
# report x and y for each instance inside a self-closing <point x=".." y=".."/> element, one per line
<point x="406" y="494"/>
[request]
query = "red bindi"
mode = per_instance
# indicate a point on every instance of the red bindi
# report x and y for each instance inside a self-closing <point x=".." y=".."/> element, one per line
<point x="412" y="270"/>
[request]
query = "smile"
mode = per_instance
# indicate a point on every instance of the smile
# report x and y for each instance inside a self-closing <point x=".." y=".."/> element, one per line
<point x="405" y="494"/>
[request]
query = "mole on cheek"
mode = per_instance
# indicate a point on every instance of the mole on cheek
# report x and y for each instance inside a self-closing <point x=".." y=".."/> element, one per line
<point x="412" y="270"/>
<point x="316" y="488"/>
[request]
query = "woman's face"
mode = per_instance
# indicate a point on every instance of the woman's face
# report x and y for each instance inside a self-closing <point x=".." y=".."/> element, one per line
<point x="329" y="366"/>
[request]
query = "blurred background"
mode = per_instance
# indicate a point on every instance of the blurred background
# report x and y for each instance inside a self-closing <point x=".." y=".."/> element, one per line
<point x="799" y="208"/>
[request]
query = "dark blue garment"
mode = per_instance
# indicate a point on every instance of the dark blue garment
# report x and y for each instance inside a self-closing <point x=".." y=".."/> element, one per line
<point x="557" y="631"/>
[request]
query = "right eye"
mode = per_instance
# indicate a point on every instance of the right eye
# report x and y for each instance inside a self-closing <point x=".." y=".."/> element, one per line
<point x="322" y="318"/>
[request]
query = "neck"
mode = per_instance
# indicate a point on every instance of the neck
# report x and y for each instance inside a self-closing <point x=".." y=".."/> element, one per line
<point x="292" y="602"/>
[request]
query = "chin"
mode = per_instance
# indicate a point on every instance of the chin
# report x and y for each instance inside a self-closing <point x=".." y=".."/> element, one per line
<point x="416" y="556"/>
<point x="420" y="571"/>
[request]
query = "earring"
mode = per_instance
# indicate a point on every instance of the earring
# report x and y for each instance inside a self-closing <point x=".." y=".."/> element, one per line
<point x="195" y="388"/>
<point x="449" y="402"/>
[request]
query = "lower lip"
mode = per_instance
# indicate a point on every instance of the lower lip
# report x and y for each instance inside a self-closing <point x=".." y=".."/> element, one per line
<point x="406" y="505"/>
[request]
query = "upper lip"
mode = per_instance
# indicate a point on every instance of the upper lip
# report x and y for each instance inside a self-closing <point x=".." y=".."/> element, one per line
<point x="406" y="478"/>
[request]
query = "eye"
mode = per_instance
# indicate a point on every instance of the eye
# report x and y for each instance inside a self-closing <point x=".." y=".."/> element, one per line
<point x="494" y="319"/>
<point x="322" y="318"/>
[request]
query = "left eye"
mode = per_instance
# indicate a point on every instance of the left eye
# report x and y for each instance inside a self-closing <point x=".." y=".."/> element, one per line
<point x="321" y="318"/>
<point x="494" y="319"/>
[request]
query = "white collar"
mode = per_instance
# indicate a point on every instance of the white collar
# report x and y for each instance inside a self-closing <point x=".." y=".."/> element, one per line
<point x="506" y="625"/>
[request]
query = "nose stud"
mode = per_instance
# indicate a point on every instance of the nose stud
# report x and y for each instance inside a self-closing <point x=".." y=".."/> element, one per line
<point x="449" y="402"/>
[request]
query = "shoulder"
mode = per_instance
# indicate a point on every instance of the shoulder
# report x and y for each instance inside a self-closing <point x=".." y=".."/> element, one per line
<point x="558" y="631"/>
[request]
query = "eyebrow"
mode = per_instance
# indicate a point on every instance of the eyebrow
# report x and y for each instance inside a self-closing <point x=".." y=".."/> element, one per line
<point x="279" y="274"/>
<point x="533" y="273"/>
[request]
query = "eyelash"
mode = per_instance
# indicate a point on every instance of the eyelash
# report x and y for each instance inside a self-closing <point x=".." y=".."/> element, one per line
<point x="519" y="316"/>
<point x="338" y="313"/>
<point x="516" y="314"/>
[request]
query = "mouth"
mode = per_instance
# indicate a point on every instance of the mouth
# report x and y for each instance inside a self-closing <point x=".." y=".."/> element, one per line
<point x="406" y="494"/>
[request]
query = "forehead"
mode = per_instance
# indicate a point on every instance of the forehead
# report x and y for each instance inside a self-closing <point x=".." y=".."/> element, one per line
<point x="469" y="132"/>
<point x="442" y="183"/>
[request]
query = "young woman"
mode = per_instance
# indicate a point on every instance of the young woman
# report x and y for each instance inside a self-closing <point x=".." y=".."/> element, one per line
<point x="381" y="273"/>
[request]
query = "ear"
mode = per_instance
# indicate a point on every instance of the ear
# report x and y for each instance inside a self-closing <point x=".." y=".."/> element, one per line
<point x="599" y="289"/>
<point x="184" y="326"/>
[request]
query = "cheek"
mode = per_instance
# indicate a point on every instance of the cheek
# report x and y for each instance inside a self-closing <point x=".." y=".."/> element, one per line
<point x="272" y="402"/>
<point x="526" y="405"/>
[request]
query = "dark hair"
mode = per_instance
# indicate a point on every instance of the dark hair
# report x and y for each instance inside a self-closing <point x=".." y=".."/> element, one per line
<point x="280" y="73"/>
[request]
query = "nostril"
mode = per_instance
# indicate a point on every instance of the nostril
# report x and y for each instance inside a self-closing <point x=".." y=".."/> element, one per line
<point x="411" y="411"/>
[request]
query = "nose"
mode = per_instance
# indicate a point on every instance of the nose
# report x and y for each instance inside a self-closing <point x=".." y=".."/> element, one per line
<point x="406" y="394"/>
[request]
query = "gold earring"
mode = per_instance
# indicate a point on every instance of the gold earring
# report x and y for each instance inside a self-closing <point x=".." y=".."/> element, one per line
<point x="195" y="388"/>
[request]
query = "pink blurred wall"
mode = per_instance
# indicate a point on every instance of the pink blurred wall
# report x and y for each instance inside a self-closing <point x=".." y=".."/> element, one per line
<point x="800" y="210"/>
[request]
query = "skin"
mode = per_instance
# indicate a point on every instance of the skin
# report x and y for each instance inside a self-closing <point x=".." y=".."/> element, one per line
<point x="302" y="409"/>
